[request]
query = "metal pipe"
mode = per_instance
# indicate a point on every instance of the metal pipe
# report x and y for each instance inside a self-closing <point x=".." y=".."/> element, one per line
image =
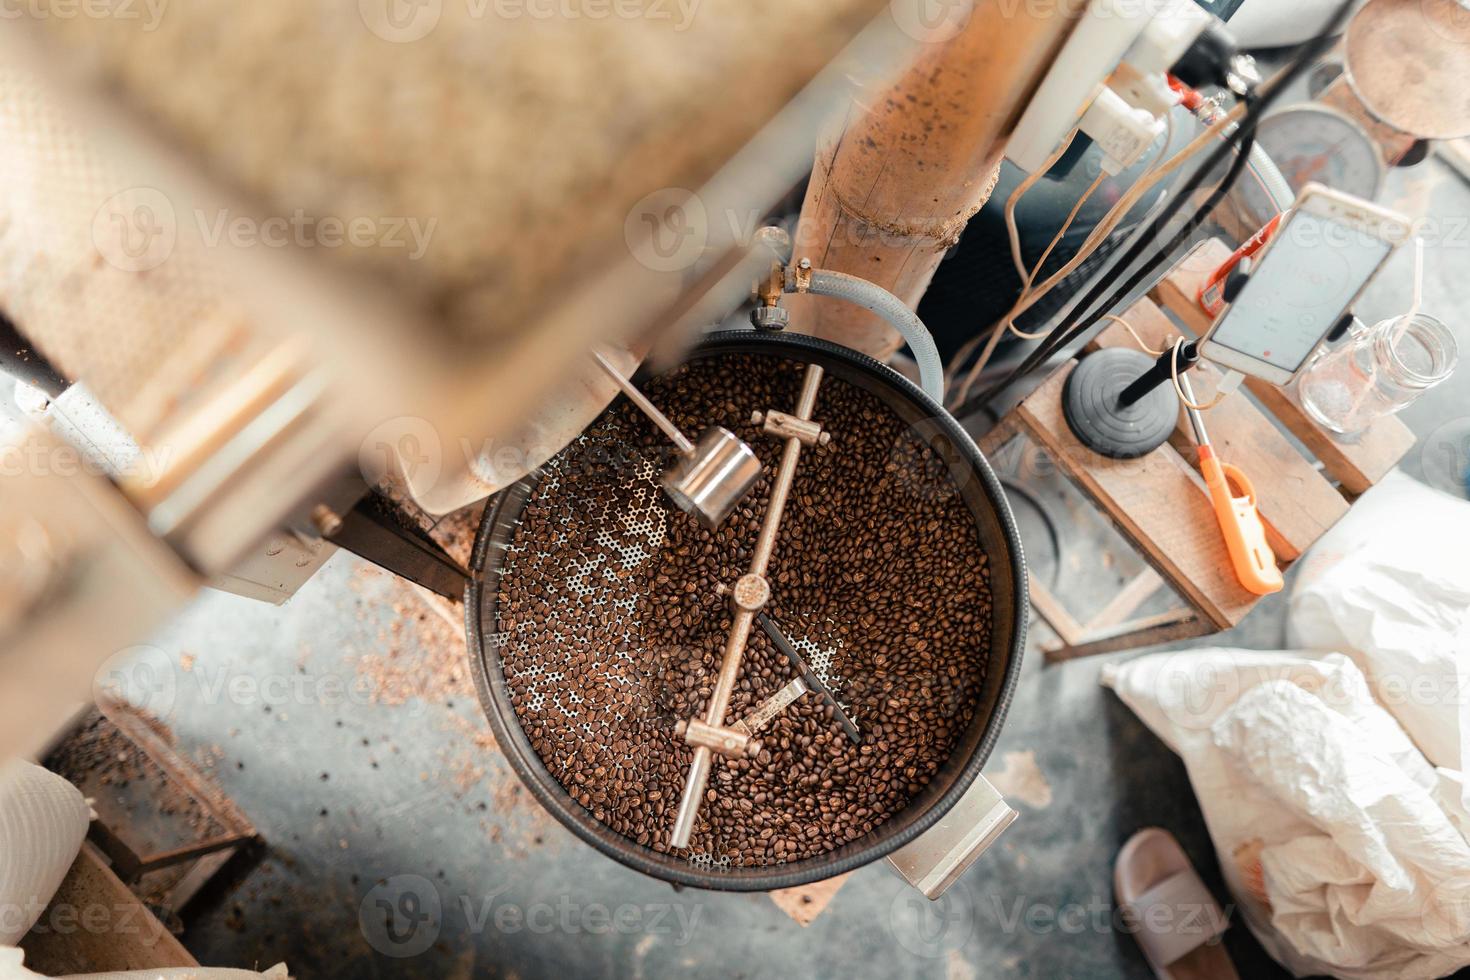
<point x="760" y="559"/>
<point x="903" y="166"/>
<point x="1161" y="372"/>
<point x="645" y="406"/>
<point x="734" y="654"/>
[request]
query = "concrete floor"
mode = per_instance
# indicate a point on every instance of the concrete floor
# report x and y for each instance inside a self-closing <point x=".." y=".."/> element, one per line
<point x="339" y="725"/>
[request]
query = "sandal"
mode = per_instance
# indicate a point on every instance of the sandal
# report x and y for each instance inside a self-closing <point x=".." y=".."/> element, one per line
<point x="1169" y="910"/>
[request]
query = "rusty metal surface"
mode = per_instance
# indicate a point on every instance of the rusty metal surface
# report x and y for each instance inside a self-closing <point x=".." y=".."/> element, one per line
<point x="899" y="174"/>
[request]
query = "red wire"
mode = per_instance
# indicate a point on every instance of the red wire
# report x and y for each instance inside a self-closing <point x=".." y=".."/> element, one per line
<point x="1192" y="100"/>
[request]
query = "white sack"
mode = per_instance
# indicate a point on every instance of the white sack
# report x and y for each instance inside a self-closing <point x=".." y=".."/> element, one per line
<point x="1341" y="844"/>
<point x="1389" y="586"/>
<point x="43" y="820"/>
<point x="11" y="969"/>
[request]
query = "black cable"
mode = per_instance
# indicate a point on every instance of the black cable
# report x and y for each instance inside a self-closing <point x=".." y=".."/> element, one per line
<point x="1150" y="266"/>
<point x="1052" y="530"/>
<point x="1079" y="322"/>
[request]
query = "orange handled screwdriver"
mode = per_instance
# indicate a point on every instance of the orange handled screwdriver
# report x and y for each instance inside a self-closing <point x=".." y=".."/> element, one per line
<point x="1245" y="537"/>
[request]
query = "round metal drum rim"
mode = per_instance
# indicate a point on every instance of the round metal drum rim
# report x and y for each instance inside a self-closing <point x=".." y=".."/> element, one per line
<point x="516" y="746"/>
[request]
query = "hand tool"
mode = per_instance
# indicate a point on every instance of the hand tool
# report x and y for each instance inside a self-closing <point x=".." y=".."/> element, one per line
<point x="1245" y="537"/>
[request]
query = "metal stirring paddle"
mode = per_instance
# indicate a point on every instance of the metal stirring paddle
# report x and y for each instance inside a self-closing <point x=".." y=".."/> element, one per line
<point x="710" y="478"/>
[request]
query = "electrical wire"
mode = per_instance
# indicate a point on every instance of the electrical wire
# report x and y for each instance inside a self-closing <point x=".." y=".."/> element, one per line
<point x="1206" y="115"/>
<point x="1027" y="291"/>
<point x="1173" y="351"/>
<point x="1241" y="141"/>
<point x="1014" y="234"/>
<point x="1179" y="388"/>
<point x="1079" y="322"/>
<point x="1046" y="253"/>
<point x="1015" y="197"/>
<point x="1161" y="168"/>
<point x="1136" y="338"/>
<point x="1030" y="294"/>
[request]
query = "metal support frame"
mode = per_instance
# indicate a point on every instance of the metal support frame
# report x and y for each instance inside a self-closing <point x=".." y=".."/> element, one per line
<point x="210" y="855"/>
<point x="374" y="530"/>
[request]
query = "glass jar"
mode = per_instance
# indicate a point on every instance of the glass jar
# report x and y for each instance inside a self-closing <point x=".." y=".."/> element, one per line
<point x="1376" y="372"/>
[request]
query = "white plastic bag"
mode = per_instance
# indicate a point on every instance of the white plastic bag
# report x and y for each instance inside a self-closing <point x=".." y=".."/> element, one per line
<point x="43" y="820"/>
<point x="1389" y="586"/>
<point x="1337" y="838"/>
<point x="11" y="968"/>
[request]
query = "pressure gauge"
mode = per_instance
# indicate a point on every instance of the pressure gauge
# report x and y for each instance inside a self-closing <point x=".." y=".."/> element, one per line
<point x="1312" y="142"/>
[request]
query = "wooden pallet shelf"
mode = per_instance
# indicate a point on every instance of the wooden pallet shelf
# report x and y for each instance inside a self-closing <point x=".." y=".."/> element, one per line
<point x="1159" y="503"/>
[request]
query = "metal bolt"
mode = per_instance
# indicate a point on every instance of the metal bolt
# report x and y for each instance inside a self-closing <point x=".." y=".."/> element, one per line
<point x="752" y="592"/>
<point x="770" y="318"/>
<point x="804" y="264"/>
<point x="757" y="418"/>
<point x="824" y="438"/>
<point x="327" y="521"/>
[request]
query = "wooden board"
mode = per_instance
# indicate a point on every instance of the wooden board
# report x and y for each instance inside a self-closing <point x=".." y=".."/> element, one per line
<point x="1357" y="466"/>
<point x="805" y="902"/>
<point x="1297" y="504"/>
<point x="1156" y="503"/>
<point x="94" y="924"/>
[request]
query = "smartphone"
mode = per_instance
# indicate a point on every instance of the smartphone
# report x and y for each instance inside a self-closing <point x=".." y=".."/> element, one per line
<point x="1325" y="252"/>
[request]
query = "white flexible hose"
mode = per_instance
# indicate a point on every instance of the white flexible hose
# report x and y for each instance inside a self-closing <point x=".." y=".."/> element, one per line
<point x="43" y="820"/>
<point x="874" y="298"/>
<point x="1276" y="186"/>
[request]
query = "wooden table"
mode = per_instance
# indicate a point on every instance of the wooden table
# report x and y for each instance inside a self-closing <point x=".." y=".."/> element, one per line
<point x="1305" y="481"/>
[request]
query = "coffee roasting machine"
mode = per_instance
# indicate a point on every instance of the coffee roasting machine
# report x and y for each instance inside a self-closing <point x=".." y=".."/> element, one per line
<point x="244" y="402"/>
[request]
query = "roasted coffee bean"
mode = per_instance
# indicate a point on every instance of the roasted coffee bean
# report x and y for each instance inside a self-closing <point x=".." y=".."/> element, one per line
<point x="614" y="629"/>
